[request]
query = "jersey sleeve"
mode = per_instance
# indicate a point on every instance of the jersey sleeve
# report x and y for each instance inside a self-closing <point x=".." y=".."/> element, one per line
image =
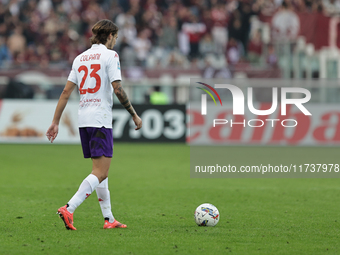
<point x="113" y="68"/>
<point x="73" y="75"/>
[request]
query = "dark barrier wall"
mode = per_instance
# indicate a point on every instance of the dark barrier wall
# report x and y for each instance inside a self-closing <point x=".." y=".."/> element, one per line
<point x="161" y="123"/>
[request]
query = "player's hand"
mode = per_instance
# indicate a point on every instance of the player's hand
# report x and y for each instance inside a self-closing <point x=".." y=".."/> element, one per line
<point x="52" y="132"/>
<point x="138" y="121"/>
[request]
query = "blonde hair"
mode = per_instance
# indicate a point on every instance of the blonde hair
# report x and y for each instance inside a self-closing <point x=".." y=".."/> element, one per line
<point x="101" y="31"/>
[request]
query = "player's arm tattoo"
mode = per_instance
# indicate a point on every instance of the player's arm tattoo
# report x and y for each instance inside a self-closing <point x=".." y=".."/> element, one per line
<point x="123" y="98"/>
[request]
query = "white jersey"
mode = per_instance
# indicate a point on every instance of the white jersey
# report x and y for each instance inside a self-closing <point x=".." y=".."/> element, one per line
<point x="93" y="71"/>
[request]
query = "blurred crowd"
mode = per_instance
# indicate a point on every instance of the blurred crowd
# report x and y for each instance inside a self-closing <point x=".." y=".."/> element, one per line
<point x="153" y="33"/>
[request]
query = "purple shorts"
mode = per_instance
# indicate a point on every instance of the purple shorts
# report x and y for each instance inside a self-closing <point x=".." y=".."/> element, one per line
<point x="96" y="142"/>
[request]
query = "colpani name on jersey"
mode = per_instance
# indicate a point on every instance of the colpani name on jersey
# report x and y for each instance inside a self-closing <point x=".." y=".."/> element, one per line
<point x="90" y="57"/>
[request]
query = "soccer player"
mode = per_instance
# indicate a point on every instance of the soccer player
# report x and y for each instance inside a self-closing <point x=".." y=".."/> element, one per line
<point x="97" y="74"/>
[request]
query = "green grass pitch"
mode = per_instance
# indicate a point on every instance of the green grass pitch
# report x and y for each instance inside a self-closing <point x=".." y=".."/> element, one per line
<point x="152" y="192"/>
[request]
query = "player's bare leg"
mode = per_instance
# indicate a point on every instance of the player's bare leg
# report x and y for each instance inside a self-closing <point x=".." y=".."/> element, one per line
<point x="100" y="167"/>
<point x="101" y="170"/>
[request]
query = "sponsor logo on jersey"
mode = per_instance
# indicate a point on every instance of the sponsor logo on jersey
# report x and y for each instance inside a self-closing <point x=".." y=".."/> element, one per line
<point x="90" y="102"/>
<point x="118" y="66"/>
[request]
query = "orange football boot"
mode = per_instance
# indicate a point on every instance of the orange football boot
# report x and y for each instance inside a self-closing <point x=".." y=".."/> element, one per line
<point x="115" y="224"/>
<point x="67" y="217"/>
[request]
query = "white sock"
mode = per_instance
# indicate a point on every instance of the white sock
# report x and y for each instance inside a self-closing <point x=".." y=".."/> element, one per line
<point x="103" y="194"/>
<point x="85" y="189"/>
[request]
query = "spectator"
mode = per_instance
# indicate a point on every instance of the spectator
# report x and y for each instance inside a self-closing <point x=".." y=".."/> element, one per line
<point x="194" y="30"/>
<point x="51" y="25"/>
<point x="271" y="57"/>
<point x="215" y="70"/>
<point x="75" y="27"/>
<point x="5" y="55"/>
<point x="208" y="70"/>
<point x="286" y="23"/>
<point x="44" y="7"/>
<point x="128" y="32"/>
<point x="223" y="73"/>
<point x="207" y="45"/>
<point x="31" y="55"/>
<point x="92" y="13"/>
<point x="142" y="46"/>
<point x="219" y="31"/>
<point x="125" y="18"/>
<point x="175" y="60"/>
<point x="332" y="7"/>
<point x="168" y="34"/>
<point x="246" y="10"/>
<point x="39" y="32"/>
<point x="235" y="29"/>
<point x="233" y="51"/>
<point x="16" y="42"/>
<point x="255" y="47"/>
<point x="268" y="8"/>
<point x="157" y="97"/>
<point x="125" y="5"/>
<point x="152" y="18"/>
<point x="127" y="54"/>
<point x="14" y="7"/>
<point x="71" y="6"/>
<point x="207" y="20"/>
<point x="318" y="7"/>
<point x="127" y="28"/>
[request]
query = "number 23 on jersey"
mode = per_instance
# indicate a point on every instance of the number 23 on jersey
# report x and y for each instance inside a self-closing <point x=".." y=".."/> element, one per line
<point x="95" y="68"/>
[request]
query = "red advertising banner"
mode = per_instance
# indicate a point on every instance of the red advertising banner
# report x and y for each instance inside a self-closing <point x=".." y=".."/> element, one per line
<point x="221" y="127"/>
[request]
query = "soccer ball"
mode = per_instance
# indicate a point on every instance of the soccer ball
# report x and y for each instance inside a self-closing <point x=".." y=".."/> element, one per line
<point x="207" y="215"/>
